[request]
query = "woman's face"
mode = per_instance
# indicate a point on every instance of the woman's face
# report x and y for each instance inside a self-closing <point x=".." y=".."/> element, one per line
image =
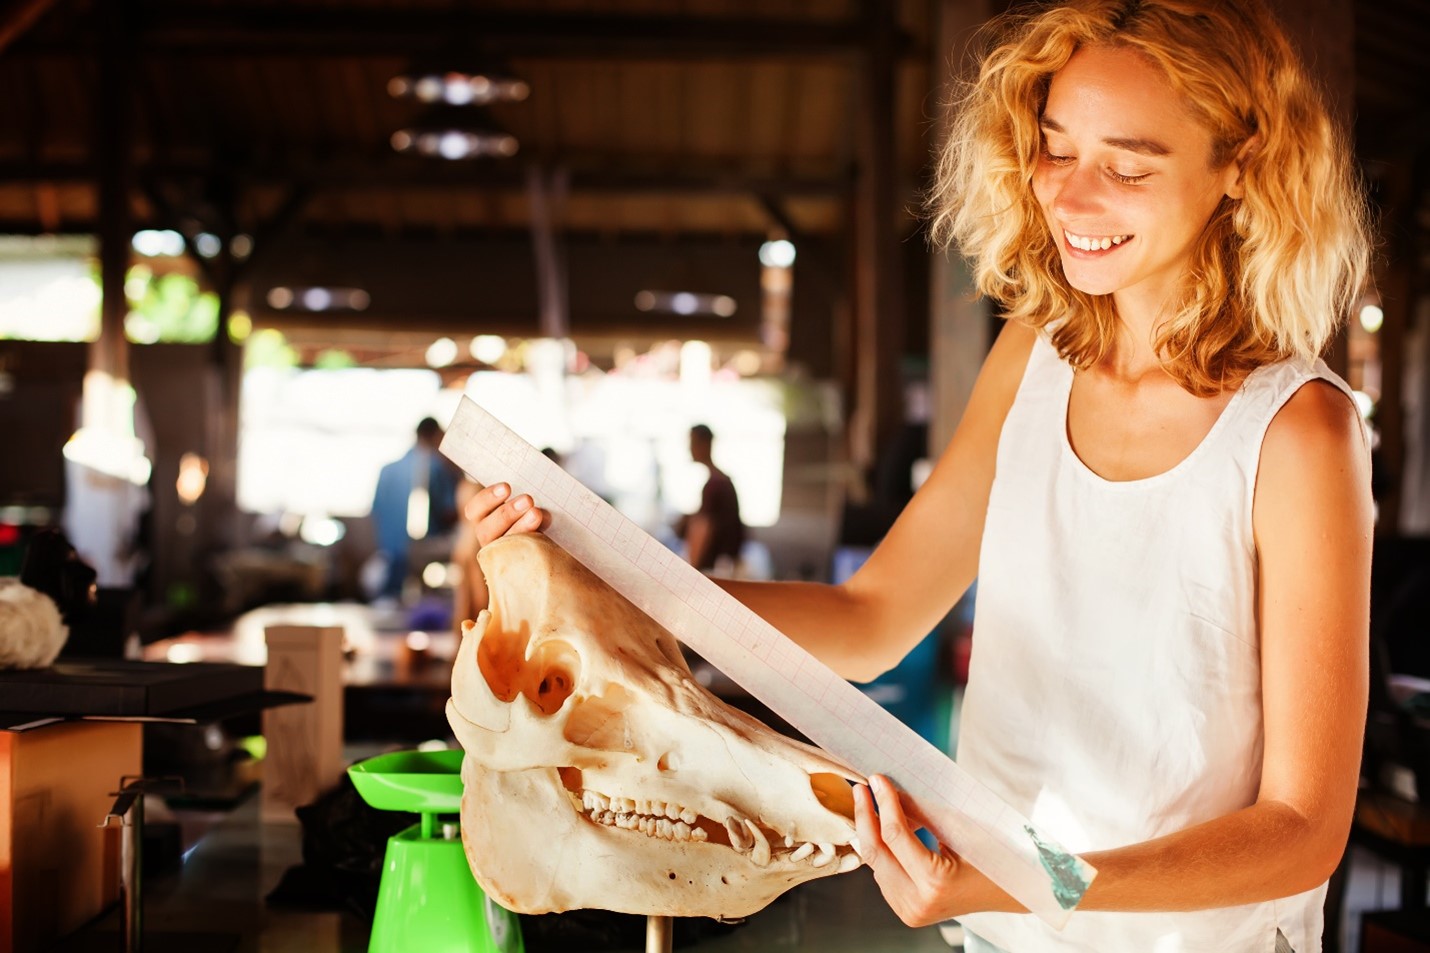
<point x="1125" y="178"/>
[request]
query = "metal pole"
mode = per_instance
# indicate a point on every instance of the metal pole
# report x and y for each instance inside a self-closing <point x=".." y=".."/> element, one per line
<point x="128" y="810"/>
<point x="131" y="852"/>
<point x="659" y="934"/>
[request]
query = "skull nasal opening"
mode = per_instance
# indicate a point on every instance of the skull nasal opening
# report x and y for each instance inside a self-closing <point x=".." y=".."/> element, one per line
<point x="554" y="669"/>
<point x="834" y="793"/>
<point x="547" y="678"/>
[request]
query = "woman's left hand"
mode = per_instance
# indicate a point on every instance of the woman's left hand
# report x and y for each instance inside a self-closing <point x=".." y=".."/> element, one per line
<point x="920" y="886"/>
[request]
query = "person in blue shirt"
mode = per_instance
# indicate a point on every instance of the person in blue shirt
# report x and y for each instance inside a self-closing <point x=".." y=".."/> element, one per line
<point x="416" y="497"/>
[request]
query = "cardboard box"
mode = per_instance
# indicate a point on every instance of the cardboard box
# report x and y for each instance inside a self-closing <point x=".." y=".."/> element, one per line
<point x="58" y="868"/>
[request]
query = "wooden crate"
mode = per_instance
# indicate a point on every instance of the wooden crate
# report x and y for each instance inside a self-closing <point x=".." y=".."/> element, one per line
<point x="305" y="742"/>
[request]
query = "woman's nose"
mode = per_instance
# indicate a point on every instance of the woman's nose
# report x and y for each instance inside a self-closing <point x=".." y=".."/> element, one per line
<point x="1079" y="194"/>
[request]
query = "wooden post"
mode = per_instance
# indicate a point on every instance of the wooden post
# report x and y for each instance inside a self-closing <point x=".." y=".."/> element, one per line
<point x="878" y="313"/>
<point x="305" y="742"/>
<point x="109" y="354"/>
<point x="959" y="321"/>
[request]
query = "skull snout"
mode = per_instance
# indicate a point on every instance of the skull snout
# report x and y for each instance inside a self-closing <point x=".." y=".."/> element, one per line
<point x="584" y="727"/>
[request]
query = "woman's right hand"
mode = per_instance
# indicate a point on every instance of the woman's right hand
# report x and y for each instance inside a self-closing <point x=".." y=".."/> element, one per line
<point x="494" y="514"/>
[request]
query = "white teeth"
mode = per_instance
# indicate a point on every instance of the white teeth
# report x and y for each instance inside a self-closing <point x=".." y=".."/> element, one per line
<point x="761" y="855"/>
<point x="825" y="855"/>
<point x="669" y="821"/>
<point x="1088" y="243"/>
<point x="848" y="862"/>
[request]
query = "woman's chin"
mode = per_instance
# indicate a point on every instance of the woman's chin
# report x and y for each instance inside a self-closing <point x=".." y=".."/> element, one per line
<point x="1089" y="285"/>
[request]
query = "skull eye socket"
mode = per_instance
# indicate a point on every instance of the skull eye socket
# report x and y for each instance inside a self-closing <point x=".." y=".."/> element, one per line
<point x="599" y="721"/>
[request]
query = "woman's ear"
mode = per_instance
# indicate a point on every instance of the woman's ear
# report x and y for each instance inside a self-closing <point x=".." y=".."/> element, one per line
<point x="1249" y="148"/>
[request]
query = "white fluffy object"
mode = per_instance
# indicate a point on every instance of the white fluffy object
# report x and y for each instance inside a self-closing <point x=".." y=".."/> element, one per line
<point x="31" y="630"/>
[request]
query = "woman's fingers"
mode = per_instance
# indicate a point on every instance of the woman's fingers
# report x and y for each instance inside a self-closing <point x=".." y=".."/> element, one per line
<point x="495" y="515"/>
<point x="887" y="870"/>
<point x="918" y="884"/>
<point x="895" y="828"/>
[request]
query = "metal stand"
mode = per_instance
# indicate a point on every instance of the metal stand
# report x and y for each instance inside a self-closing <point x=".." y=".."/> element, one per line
<point x="659" y="934"/>
<point x="128" y="810"/>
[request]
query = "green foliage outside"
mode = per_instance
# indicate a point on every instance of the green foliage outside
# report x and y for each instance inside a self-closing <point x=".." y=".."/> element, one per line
<point x="268" y="348"/>
<point x="334" y="359"/>
<point x="170" y="308"/>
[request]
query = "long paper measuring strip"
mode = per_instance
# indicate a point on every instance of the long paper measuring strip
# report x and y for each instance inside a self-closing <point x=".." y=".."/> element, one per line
<point x="834" y="714"/>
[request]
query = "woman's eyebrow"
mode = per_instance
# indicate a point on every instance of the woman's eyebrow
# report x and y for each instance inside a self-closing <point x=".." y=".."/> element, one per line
<point x="1141" y="146"/>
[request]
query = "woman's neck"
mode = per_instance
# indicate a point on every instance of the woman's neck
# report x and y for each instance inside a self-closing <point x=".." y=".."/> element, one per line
<point x="1133" y="353"/>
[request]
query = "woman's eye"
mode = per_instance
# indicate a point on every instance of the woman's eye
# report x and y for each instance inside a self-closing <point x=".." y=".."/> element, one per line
<point x="1127" y="179"/>
<point x="1056" y="159"/>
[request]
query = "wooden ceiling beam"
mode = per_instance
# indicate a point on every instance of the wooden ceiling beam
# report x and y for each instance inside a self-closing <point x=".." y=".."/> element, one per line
<point x="341" y="175"/>
<point x="412" y="234"/>
<point x="179" y="29"/>
<point x="18" y="16"/>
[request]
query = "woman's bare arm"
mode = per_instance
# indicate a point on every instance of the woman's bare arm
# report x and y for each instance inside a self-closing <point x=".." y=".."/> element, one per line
<point x="930" y="556"/>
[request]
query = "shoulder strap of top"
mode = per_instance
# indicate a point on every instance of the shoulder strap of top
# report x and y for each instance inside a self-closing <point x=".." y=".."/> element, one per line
<point x="1263" y="394"/>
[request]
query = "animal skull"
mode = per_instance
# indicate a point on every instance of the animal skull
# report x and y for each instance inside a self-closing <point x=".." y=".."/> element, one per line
<point x="599" y="774"/>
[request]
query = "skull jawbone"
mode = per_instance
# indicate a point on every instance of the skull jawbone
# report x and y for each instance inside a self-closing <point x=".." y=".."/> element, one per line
<point x="540" y="856"/>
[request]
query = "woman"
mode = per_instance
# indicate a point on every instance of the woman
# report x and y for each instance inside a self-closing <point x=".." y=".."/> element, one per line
<point x="1162" y="491"/>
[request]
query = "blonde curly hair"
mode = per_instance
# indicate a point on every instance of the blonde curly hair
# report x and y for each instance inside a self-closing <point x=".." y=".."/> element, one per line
<point x="1272" y="275"/>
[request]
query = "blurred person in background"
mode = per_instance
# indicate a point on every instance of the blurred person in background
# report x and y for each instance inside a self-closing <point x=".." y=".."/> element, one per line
<point x="416" y="498"/>
<point x="713" y="534"/>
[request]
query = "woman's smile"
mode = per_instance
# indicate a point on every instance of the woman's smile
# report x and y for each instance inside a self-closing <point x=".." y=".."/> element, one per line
<point x="1093" y="245"/>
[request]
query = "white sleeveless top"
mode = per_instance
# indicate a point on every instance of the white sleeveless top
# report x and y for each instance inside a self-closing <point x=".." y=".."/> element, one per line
<point x="1114" y="692"/>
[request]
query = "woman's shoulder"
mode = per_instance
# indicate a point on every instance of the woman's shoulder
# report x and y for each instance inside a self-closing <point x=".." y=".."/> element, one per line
<point x="1012" y="349"/>
<point x="998" y="383"/>
<point x="1317" y="418"/>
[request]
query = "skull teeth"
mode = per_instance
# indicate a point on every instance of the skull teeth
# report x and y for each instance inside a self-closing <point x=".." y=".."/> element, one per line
<point x="659" y="827"/>
<point x="740" y="838"/>
<point x="666" y="821"/>
<point x="760" y="853"/>
<point x="673" y="822"/>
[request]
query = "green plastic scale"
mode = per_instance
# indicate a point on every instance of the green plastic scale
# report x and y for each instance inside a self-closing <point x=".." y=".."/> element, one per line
<point x="429" y="900"/>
